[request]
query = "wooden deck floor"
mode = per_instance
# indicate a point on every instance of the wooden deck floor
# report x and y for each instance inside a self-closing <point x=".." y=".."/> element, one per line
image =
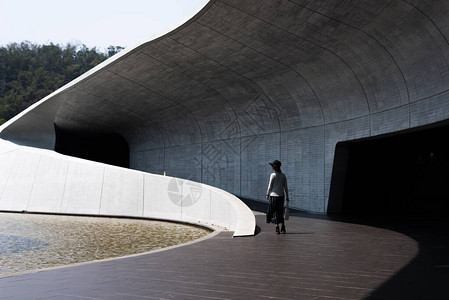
<point x="319" y="258"/>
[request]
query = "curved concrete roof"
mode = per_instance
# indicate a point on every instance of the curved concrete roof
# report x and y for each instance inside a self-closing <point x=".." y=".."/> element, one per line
<point x="246" y="82"/>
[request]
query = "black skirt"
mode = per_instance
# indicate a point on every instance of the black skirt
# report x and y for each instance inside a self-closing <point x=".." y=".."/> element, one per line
<point x="275" y="212"/>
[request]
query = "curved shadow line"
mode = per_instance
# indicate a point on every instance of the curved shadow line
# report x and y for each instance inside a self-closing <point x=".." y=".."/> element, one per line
<point x="424" y="276"/>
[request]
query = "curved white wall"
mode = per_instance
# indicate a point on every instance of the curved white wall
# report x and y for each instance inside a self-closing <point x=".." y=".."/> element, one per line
<point x="245" y="82"/>
<point x="37" y="180"/>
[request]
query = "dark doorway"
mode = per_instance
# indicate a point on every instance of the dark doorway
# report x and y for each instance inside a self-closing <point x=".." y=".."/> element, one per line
<point x="404" y="174"/>
<point x="109" y="148"/>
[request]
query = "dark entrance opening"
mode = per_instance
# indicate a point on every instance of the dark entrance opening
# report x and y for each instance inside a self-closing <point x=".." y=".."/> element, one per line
<point x="109" y="148"/>
<point x="404" y="174"/>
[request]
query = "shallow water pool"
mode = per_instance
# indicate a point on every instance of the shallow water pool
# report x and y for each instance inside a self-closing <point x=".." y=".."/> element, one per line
<point x="31" y="241"/>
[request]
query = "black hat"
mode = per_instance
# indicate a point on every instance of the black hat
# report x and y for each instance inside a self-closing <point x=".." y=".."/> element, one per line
<point x="276" y="164"/>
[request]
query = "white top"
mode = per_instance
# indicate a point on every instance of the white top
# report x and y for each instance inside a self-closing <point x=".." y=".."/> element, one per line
<point x="277" y="185"/>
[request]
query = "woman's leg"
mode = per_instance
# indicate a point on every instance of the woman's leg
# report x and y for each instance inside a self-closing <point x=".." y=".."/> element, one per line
<point x="280" y="210"/>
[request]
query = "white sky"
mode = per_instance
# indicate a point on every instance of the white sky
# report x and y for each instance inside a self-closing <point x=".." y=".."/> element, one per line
<point x="95" y="23"/>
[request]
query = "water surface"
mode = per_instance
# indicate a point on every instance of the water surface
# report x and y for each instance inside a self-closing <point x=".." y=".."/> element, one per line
<point x="32" y="241"/>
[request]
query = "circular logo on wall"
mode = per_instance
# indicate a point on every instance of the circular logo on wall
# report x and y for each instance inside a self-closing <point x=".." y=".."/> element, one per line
<point x="184" y="192"/>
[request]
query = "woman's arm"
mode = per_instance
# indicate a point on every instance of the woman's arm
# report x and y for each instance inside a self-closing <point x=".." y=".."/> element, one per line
<point x="270" y="185"/>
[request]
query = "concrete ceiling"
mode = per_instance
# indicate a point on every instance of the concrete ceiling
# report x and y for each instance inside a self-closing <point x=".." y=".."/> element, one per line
<point x="263" y="69"/>
<point x="304" y="63"/>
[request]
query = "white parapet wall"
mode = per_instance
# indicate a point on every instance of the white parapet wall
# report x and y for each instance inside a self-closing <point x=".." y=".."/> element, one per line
<point x="39" y="180"/>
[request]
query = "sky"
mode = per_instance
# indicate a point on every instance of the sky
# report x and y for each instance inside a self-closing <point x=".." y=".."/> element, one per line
<point x="94" y="23"/>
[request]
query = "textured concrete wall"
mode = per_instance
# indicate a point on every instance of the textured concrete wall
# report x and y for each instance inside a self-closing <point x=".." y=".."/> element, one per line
<point x="36" y="180"/>
<point x="247" y="82"/>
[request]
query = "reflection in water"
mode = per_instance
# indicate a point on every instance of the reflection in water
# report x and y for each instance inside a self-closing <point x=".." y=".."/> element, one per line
<point x="30" y="241"/>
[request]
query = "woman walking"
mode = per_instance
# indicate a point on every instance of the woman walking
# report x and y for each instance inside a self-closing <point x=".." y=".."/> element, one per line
<point x="276" y="193"/>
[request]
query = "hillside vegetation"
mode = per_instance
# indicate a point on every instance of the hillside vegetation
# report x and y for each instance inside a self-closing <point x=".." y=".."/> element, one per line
<point x="29" y="72"/>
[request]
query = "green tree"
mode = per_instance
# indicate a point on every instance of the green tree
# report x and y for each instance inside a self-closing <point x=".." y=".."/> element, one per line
<point x="29" y="72"/>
